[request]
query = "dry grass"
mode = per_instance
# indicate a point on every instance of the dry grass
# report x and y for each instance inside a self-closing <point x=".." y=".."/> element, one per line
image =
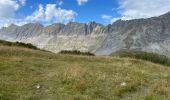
<point x="69" y="77"/>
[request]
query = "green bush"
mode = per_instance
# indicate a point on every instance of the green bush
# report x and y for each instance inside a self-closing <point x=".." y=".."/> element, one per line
<point x="19" y="44"/>
<point x="152" y="57"/>
<point x="75" y="52"/>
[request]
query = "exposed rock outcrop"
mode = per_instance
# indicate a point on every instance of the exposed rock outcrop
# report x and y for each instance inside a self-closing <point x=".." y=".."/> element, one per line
<point x="150" y="35"/>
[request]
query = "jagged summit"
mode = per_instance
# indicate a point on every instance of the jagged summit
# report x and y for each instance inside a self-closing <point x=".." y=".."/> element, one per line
<point x="167" y="15"/>
<point x="150" y="35"/>
<point x="56" y="24"/>
<point x="93" y="23"/>
<point x="13" y="25"/>
<point x="32" y="25"/>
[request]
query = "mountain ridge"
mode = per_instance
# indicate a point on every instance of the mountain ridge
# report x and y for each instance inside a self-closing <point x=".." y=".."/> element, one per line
<point x="149" y="35"/>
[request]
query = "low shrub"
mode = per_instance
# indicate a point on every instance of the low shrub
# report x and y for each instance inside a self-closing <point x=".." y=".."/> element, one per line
<point x="19" y="44"/>
<point x="75" y="52"/>
<point x="152" y="57"/>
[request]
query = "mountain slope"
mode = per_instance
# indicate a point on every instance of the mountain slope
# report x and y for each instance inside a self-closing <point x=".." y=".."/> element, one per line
<point x="149" y="35"/>
<point x="37" y="75"/>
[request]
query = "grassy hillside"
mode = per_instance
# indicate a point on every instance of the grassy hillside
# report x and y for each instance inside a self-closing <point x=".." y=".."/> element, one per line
<point x="27" y="74"/>
<point x="152" y="57"/>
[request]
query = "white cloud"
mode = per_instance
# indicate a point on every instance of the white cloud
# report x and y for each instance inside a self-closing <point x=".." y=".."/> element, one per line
<point x="60" y="3"/>
<point x="8" y="8"/>
<point x="58" y="14"/>
<point x="132" y="9"/>
<point x="81" y="2"/>
<point x="7" y="22"/>
<point x="135" y="9"/>
<point x="52" y="14"/>
<point x="37" y="15"/>
<point x="22" y="2"/>
<point x="109" y="18"/>
<point x="47" y="14"/>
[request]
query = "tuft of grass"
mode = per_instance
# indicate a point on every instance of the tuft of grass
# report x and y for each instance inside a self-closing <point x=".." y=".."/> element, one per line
<point x="160" y="90"/>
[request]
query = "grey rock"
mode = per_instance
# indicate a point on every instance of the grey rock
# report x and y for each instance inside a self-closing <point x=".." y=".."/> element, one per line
<point x="150" y="35"/>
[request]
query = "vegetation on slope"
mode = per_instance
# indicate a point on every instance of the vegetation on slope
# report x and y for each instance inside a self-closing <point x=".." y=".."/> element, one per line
<point x="19" y="44"/>
<point x="27" y="74"/>
<point x="152" y="57"/>
<point x="75" y="52"/>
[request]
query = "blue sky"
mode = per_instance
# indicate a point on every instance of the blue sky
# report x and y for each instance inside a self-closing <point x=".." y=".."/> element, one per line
<point x="89" y="11"/>
<point x="63" y="11"/>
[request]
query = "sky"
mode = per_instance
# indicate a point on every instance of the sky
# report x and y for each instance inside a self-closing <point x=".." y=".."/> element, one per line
<point x="63" y="11"/>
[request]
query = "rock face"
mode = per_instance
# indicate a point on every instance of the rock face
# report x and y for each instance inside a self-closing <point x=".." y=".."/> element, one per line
<point x="150" y="35"/>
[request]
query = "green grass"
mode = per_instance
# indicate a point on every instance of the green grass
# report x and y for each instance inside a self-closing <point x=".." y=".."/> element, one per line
<point x="73" y="77"/>
<point x="152" y="57"/>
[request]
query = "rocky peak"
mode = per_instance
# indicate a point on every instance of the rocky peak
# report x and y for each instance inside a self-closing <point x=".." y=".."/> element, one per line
<point x="9" y="29"/>
<point x="55" y="26"/>
<point x="74" y="23"/>
<point x="13" y="26"/>
<point x="151" y="34"/>
<point x="33" y="25"/>
<point x="94" y="24"/>
<point x="53" y="29"/>
<point x="167" y="15"/>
